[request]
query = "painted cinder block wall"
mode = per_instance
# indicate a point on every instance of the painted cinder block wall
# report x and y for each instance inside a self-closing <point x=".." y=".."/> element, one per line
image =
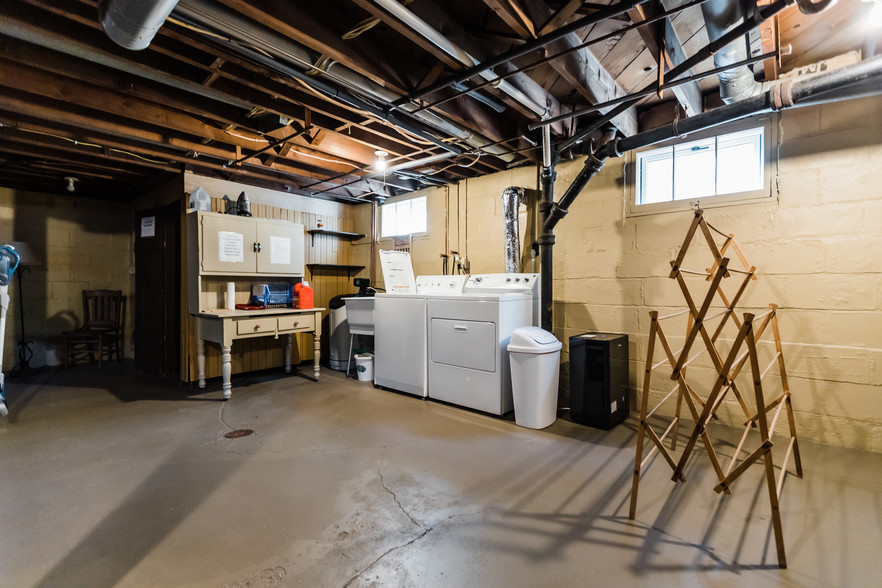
<point x="81" y="244"/>
<point x="817" y="246"/>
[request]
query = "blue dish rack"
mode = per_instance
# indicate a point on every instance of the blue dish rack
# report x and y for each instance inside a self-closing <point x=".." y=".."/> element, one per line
<point x="272" y="295"/>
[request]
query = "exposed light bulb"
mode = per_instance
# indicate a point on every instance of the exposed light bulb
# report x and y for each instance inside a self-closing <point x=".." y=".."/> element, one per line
<point x="70" y="183"/>
<point x="380" y="164"/>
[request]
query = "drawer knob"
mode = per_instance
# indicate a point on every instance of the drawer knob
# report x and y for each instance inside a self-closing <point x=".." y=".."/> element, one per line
<point x="256" y="327"/>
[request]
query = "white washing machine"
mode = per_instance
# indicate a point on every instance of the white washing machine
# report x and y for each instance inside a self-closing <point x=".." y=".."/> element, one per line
<point x="400" y="334"/>
<point x="469" y="335"/>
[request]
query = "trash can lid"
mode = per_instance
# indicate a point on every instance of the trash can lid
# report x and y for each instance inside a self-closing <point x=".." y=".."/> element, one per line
<point x="533" y="340"/>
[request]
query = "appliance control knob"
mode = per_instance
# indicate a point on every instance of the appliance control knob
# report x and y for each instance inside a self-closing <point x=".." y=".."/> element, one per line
<point x="508" y="279"/>
<point x="517" y="279"/>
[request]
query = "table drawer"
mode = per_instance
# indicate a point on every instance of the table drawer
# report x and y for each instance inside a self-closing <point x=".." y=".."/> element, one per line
<point x="257" y="325"/>
<point x="299" y="322"/>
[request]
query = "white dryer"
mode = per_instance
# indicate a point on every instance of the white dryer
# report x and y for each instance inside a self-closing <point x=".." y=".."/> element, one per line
<point x="400" y="334"/>
<point x="469" y="335"/>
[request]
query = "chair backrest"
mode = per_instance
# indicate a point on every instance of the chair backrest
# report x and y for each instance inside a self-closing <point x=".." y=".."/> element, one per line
<point x="103" y="309"/>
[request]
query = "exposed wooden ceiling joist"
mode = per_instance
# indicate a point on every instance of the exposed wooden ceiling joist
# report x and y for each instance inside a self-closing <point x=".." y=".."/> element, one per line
<point x="200" y="98"/>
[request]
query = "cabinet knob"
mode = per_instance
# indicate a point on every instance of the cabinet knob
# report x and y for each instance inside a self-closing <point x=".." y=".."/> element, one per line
<point x="256" y="247"/>
<point x="256" y="327"/>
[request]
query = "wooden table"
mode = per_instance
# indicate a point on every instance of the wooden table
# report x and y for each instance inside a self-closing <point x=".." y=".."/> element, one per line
<point x="225" y="326"/>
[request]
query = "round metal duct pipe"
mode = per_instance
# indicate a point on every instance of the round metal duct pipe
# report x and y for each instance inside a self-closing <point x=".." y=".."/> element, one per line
<point x="133" y="23"/>
<point x="721" y="16"/>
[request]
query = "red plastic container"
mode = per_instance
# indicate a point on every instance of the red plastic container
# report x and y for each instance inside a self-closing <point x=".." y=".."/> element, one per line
<point x="304" y="297"/>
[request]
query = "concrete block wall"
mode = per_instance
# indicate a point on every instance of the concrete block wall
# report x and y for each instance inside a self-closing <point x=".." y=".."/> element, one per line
<point x="817" y="246"/>
<point x="81" y="244"/>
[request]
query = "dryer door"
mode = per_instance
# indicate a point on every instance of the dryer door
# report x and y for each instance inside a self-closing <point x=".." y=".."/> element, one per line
<point x="466" y="344"/>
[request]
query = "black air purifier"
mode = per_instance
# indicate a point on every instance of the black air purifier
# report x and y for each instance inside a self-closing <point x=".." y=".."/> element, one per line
<point x="599" y="379"/>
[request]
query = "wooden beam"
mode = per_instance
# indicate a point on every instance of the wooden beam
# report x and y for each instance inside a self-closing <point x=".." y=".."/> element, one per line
<point x="771" y="41"/>
<point x="560" y="17"/>
<point x="663" y="42"/>
<point x="78" y="94"/>
<point x="505" y="11"/>
<point x="580" y="68"/>
<point x="301" y="23"/>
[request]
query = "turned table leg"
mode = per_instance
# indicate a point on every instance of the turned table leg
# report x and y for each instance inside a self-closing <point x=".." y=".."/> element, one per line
<point x="200" y="360"/>
<point x="227" y="370"/>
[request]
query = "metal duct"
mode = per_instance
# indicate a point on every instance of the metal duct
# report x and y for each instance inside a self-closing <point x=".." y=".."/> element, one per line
<point x="439" y="40"/>
<point x="721" y="16"/>
<point x="511" y="198"/>
<point x="133" y="23"/>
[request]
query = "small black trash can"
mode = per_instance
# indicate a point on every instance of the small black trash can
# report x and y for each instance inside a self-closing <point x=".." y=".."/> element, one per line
<point x="599" y="379"/>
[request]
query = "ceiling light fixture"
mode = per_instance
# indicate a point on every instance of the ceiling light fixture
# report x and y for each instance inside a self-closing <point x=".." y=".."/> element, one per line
<point x="380" y="164"/>
<point x="70" y="183"/>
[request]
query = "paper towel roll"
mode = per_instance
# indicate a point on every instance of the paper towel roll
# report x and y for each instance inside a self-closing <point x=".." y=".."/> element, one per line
<point x="231" y="295"/>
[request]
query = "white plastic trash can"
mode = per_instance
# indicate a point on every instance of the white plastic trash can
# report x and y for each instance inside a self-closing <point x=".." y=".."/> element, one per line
<point x="364" y="366"/>
<point x="535" y="373"/>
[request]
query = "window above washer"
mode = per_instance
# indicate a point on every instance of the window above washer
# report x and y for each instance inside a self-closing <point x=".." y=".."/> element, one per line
<point x="726" y="165"/>
<point x="403" y="217"/>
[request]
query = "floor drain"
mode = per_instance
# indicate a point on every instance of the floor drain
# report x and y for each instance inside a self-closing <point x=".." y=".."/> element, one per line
<point x="239" y="433"/>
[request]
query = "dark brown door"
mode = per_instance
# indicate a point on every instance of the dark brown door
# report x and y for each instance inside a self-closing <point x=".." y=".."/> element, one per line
<point x="157" y="290"/>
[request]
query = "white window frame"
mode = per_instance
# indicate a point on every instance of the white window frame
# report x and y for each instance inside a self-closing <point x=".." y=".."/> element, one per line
<point x="765" y="193"/>
<point x="396" y="202"/>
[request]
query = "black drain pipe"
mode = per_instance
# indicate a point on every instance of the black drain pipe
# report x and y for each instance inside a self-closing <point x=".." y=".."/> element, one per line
<point x="546" y="239"/>
<point x="856" y="81"/>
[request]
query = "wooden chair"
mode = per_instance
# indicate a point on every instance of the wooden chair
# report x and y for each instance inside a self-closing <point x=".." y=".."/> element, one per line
<point x="103" y="331"/>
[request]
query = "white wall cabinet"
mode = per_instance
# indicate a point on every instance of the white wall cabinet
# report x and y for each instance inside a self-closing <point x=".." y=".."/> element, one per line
<point x="236" y="245"/>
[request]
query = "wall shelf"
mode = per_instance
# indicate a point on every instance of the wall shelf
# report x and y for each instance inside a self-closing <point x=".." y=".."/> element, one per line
<point x="341" y="234"/>
<point x="349" y="269"/>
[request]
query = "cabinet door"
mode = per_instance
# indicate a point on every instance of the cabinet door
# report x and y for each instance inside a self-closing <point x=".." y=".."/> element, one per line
<point x="280" y="248"/>
<point x="228" y="244"/>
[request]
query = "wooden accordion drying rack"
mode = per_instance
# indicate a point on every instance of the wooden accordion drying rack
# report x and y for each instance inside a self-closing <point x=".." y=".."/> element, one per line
<point x="727" y="365"/>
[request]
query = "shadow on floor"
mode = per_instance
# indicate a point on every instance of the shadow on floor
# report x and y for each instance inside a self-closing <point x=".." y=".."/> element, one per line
<point x="148" y="514"/>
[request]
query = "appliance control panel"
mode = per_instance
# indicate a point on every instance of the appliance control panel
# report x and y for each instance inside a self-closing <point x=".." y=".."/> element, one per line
<point x="440" y="284"/>
<point x="521" y="283"/>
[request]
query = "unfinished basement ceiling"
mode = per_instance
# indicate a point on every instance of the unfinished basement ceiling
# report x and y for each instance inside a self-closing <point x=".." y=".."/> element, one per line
<point x="299" y="96"/>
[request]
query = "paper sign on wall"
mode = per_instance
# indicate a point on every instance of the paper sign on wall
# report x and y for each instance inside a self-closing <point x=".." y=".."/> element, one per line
<point x="397" y="272"/>
<point x="230" y="247"/>
<point x="280" y="250"/>
<point x="148" y="226"/>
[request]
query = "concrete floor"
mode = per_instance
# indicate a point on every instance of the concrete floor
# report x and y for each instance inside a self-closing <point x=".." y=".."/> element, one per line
<point x="110" y="478"/>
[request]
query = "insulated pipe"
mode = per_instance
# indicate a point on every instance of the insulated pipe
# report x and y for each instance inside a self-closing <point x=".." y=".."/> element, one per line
<point x="439" y="40"/>
<point x="720" y="17"/>
<point x="133" y="23"/>
<point x="511" y="198"/>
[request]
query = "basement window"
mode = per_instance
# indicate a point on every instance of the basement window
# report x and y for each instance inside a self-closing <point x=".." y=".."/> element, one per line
<point x="403" y="217"/>
<point x="714" y="169"/>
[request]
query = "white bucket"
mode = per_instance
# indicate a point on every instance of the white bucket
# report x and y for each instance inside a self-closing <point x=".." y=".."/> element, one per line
<point x="364" y="366"/>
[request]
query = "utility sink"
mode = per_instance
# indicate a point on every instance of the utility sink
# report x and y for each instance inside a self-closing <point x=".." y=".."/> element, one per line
<point x="360" y="314"/>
